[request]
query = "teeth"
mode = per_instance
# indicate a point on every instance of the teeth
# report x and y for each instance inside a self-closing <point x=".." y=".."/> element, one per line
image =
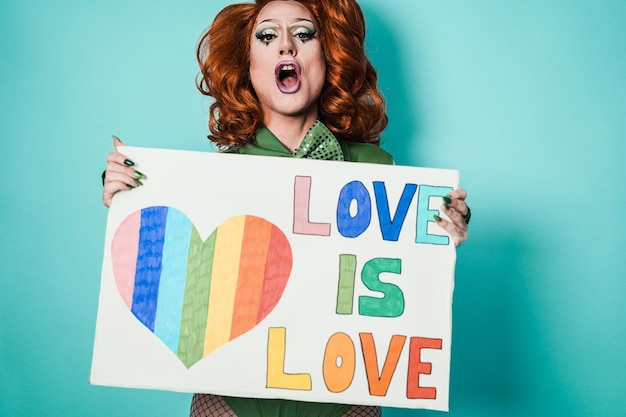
<point x="288" y="68"/>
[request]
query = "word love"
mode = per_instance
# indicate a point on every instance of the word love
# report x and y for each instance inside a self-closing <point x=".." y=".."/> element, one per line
<point x="353" y="225"/>
<point x="339" y="364"/>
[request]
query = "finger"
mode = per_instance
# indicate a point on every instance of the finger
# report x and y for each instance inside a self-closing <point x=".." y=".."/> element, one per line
<point x="456" y="200"/>
<point x="115" y="156"/>
<point x="120" y="164"/>
<point x="129" y="176"/>
<point x="119" y="158"/>
<point x="457" y="234"/>
<point x="120" y="174"/>
<point x="117" y="141"/>
<point x="459" y="193"/>
<point x="116" y="181"/>
<point x="110" y="189"/>
<point x="455" y="216"/>
<point x="117" y="163"/>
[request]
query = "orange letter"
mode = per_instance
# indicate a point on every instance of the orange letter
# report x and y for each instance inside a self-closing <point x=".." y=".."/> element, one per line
<point x="417" y="367"/>
<point x="379" y="385"/>
<point x="338" y="377"/>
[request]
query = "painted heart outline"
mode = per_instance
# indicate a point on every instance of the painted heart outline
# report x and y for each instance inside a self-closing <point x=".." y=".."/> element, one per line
<point x="198" y="295"/>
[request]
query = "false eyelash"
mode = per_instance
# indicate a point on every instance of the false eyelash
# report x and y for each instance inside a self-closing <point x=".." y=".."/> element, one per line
<point x="265" y="36"/>
<point x="306" y="36"/>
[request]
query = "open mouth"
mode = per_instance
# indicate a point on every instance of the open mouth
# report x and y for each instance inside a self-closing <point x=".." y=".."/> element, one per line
<point x="288" y="76"/>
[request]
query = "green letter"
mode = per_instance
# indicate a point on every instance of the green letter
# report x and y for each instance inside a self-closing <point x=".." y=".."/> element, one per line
<point x="391" y="304"/>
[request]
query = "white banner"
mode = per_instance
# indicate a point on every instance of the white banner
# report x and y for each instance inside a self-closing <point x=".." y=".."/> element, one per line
<point x="275" y="277"/>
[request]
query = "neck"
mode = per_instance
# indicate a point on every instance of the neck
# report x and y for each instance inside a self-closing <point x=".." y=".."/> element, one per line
<point x="290" y="130"/>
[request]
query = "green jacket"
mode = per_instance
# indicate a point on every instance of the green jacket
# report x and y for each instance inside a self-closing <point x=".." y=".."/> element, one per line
<point x="267" y="144"/>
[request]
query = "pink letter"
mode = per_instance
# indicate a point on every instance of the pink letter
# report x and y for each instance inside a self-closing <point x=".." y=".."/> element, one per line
<point x="302" y="197"/>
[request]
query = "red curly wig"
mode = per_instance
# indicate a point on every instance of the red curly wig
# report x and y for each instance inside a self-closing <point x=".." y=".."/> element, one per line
<point x="350" y="104"/>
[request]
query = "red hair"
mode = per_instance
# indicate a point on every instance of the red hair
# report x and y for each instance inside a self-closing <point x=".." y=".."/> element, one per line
<point x="350" y="104"/>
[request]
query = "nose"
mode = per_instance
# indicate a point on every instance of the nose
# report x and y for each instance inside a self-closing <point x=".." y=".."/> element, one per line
<point x="288" y="46"/>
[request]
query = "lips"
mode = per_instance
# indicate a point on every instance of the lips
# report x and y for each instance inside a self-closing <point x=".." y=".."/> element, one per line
<point x="287" y="75"/>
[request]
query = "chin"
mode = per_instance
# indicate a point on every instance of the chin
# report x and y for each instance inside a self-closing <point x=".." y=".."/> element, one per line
<point x="297" y="109"/>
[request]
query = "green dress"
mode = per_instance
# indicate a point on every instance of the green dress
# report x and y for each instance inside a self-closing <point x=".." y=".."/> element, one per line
<point x="267" y="144"/>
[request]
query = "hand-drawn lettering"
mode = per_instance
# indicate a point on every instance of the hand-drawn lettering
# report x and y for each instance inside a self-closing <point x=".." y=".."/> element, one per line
<point x="301" y="204"/>
<point x="339" y="362"/>
<point x="378" y="381"/>
<point x="417" y="367"/>
<point x="276" y="376"/>
<point x="425" y="215"/>
<point x="345" y="288"/>
<point x="390" y="229"/>
<point x="391" y="304"/>
<point x="348" y="225"/>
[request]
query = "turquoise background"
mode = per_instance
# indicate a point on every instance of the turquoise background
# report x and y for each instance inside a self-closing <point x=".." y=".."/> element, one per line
<point x="525" y="98"/>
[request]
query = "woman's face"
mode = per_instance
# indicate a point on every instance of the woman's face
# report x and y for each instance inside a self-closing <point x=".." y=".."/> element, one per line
<point x="286" y="65"/>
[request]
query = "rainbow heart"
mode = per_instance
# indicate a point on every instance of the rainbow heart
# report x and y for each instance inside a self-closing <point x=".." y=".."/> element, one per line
<point x="197" y="296"/>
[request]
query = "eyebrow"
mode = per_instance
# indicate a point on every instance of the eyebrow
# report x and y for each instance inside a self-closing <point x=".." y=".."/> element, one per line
<point x="300" y="19"/>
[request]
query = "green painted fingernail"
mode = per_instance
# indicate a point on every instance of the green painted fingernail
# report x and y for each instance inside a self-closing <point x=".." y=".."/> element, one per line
<point x="139" y="175"/>
<point x="128" y="162"/>
<point x="447" y="199"/>
<point x="437" y="218"/>
<point x="138" y="183"/>
<point x="130" y="187"/>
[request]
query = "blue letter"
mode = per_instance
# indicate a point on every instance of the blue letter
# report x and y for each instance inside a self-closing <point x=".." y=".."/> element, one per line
<point x="390" y="229"/>
<point x="425" y="215"/>
<point x="347" y="225"/>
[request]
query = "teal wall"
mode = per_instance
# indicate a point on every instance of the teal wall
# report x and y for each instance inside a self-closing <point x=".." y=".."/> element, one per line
<point x="526" y="98"/>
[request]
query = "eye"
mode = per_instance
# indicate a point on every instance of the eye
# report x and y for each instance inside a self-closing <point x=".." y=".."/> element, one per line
<point x="305" y="33"/>
<point x="266" y="35"/>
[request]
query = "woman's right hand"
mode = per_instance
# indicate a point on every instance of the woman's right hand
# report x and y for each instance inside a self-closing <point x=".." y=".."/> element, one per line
<point x="119" y="175"/>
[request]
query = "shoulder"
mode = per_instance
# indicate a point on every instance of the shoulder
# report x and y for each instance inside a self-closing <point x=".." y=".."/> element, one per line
<point x="365" y="152"/>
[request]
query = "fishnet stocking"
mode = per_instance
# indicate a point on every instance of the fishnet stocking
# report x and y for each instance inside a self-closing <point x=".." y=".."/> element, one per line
<point x="209" y="405"/>
<point x="362" y="411"/>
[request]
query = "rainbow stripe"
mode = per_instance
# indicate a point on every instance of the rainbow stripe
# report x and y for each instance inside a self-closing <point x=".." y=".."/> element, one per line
<point x="197" y="296"/>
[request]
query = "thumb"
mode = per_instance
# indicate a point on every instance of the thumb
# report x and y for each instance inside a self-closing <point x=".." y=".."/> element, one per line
<point x="116" y="141"/>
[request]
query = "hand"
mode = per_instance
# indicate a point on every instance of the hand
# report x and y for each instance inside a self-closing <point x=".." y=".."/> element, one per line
<point x="458" y="212"/>
<point x="119" y="175"/>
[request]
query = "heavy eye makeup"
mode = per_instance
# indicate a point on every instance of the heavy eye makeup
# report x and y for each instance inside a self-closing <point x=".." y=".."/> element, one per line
<point x="302" y="32"/>
<point x="266" y="35"/>
<point x="305" y="33"/>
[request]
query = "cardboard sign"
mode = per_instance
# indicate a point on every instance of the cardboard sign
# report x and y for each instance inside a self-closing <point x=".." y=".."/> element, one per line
<point x="274" y="277"/>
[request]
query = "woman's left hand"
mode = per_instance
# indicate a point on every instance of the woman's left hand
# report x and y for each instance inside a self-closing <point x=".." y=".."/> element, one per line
<point x="457" y="210"/>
